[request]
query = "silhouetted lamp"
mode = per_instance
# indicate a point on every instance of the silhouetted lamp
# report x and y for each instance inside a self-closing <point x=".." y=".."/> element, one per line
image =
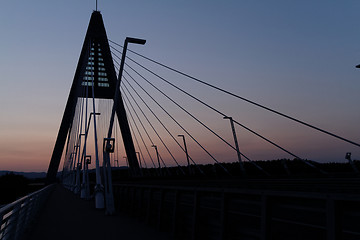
<point x="186" y="152"/>
<point x="157" y="154"/>
<point x="88" y="159"/>
<point x="108" y="145"/>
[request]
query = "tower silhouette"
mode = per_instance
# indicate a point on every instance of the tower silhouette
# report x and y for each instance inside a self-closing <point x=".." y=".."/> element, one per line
<point x="95" y="67"/>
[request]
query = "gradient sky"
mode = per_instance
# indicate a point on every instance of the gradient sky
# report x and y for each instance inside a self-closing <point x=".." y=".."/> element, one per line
<point x="298" y="57"/>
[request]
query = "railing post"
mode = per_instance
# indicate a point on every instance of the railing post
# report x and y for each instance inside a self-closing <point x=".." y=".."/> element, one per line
<point x="121" y="198"/>
<point x="174" y="220"/>
<point x="132" y="200"/>
<point x="331" y="226"/>
<point x="148" y="210"/>
<point x="265" y="217"/>
<point x="21" y="219"/>
<point x="141" y="200"/>
<point x="29" y="210"/>
<point x="13" y="221"/>
<point x="194" y="226"/>
<point x="1" y="219"/>
<point x="223" y="210"/>
<point x="160" y="209"/>
<point x="15" y="217"/>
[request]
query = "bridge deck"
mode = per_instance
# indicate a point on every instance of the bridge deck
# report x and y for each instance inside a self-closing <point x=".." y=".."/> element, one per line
<point x="65" y="216"/>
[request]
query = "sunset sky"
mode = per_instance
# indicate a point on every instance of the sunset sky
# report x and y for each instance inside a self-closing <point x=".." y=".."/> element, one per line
<point x="297" y="57"/>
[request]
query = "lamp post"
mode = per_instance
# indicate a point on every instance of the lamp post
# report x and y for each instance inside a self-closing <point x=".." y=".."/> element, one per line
<point x="186" y="152"/>
<point x="126" y="160"/>
<point x="138" y="154"/>
<point x="78" y="169"/>
<point x="70" y="176"/>
<point x="87" y="161"/>
<point x="117" y="95"/>
<point x="157" y="155"/>
<point x="236" y="144"/>
<point x="85" y="189"/>
<point x="116" y="98"/>
<point x="110" y="208"/>
<point x="352" y="164"/>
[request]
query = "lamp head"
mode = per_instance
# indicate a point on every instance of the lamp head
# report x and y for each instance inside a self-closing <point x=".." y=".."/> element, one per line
<point x="135" y="40"/>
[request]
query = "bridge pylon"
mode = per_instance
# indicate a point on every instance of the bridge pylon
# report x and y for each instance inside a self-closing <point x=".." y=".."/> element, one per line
<point x="95" y="70"/>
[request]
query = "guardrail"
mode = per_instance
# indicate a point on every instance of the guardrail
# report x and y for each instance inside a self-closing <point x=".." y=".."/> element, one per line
<point x="16" y="217"/>
<point x="218" y="213"/>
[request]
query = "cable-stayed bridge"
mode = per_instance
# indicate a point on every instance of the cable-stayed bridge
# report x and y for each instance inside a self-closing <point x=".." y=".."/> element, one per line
<point x="136" y="137"/>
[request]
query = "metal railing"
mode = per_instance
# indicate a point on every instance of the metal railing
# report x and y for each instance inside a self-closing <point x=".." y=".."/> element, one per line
<point x="16" y="217"/>
<point x="218" y="213"/>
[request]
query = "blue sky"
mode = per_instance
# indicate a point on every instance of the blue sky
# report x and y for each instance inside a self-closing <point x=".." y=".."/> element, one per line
<point x="295" y="56"/>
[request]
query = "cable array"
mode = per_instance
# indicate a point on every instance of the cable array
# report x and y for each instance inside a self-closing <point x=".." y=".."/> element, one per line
<point x="134" y="72"/>
<point x="243" y="99"/>
<point x="157" y="113"/>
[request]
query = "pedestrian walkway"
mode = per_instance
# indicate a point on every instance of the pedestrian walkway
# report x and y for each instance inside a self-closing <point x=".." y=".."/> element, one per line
<point x="66" y="216"/>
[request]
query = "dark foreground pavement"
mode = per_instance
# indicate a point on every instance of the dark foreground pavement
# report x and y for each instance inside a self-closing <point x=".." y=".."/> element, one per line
<point x="65" y="216"/>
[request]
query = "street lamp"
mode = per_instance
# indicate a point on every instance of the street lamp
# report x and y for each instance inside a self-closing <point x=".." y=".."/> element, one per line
<point x="126" y="159"/>
<point x="85" y="189"/>
<point x="99" y="189"/>
<point x="116" y="161"/>
<point x="236" y="144"/>
<point x="116" y="98"/>
<point x="110" y="208"/>
<point x="348" y="157"/>
<point x="157" y="154"/>
<point x="186" y="152"/>
<point x="139" y="159"/>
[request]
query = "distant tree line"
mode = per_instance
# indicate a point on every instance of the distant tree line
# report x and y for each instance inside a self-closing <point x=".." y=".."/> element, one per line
<point x="280" y="168"/>
<point x="13" y="187"/>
